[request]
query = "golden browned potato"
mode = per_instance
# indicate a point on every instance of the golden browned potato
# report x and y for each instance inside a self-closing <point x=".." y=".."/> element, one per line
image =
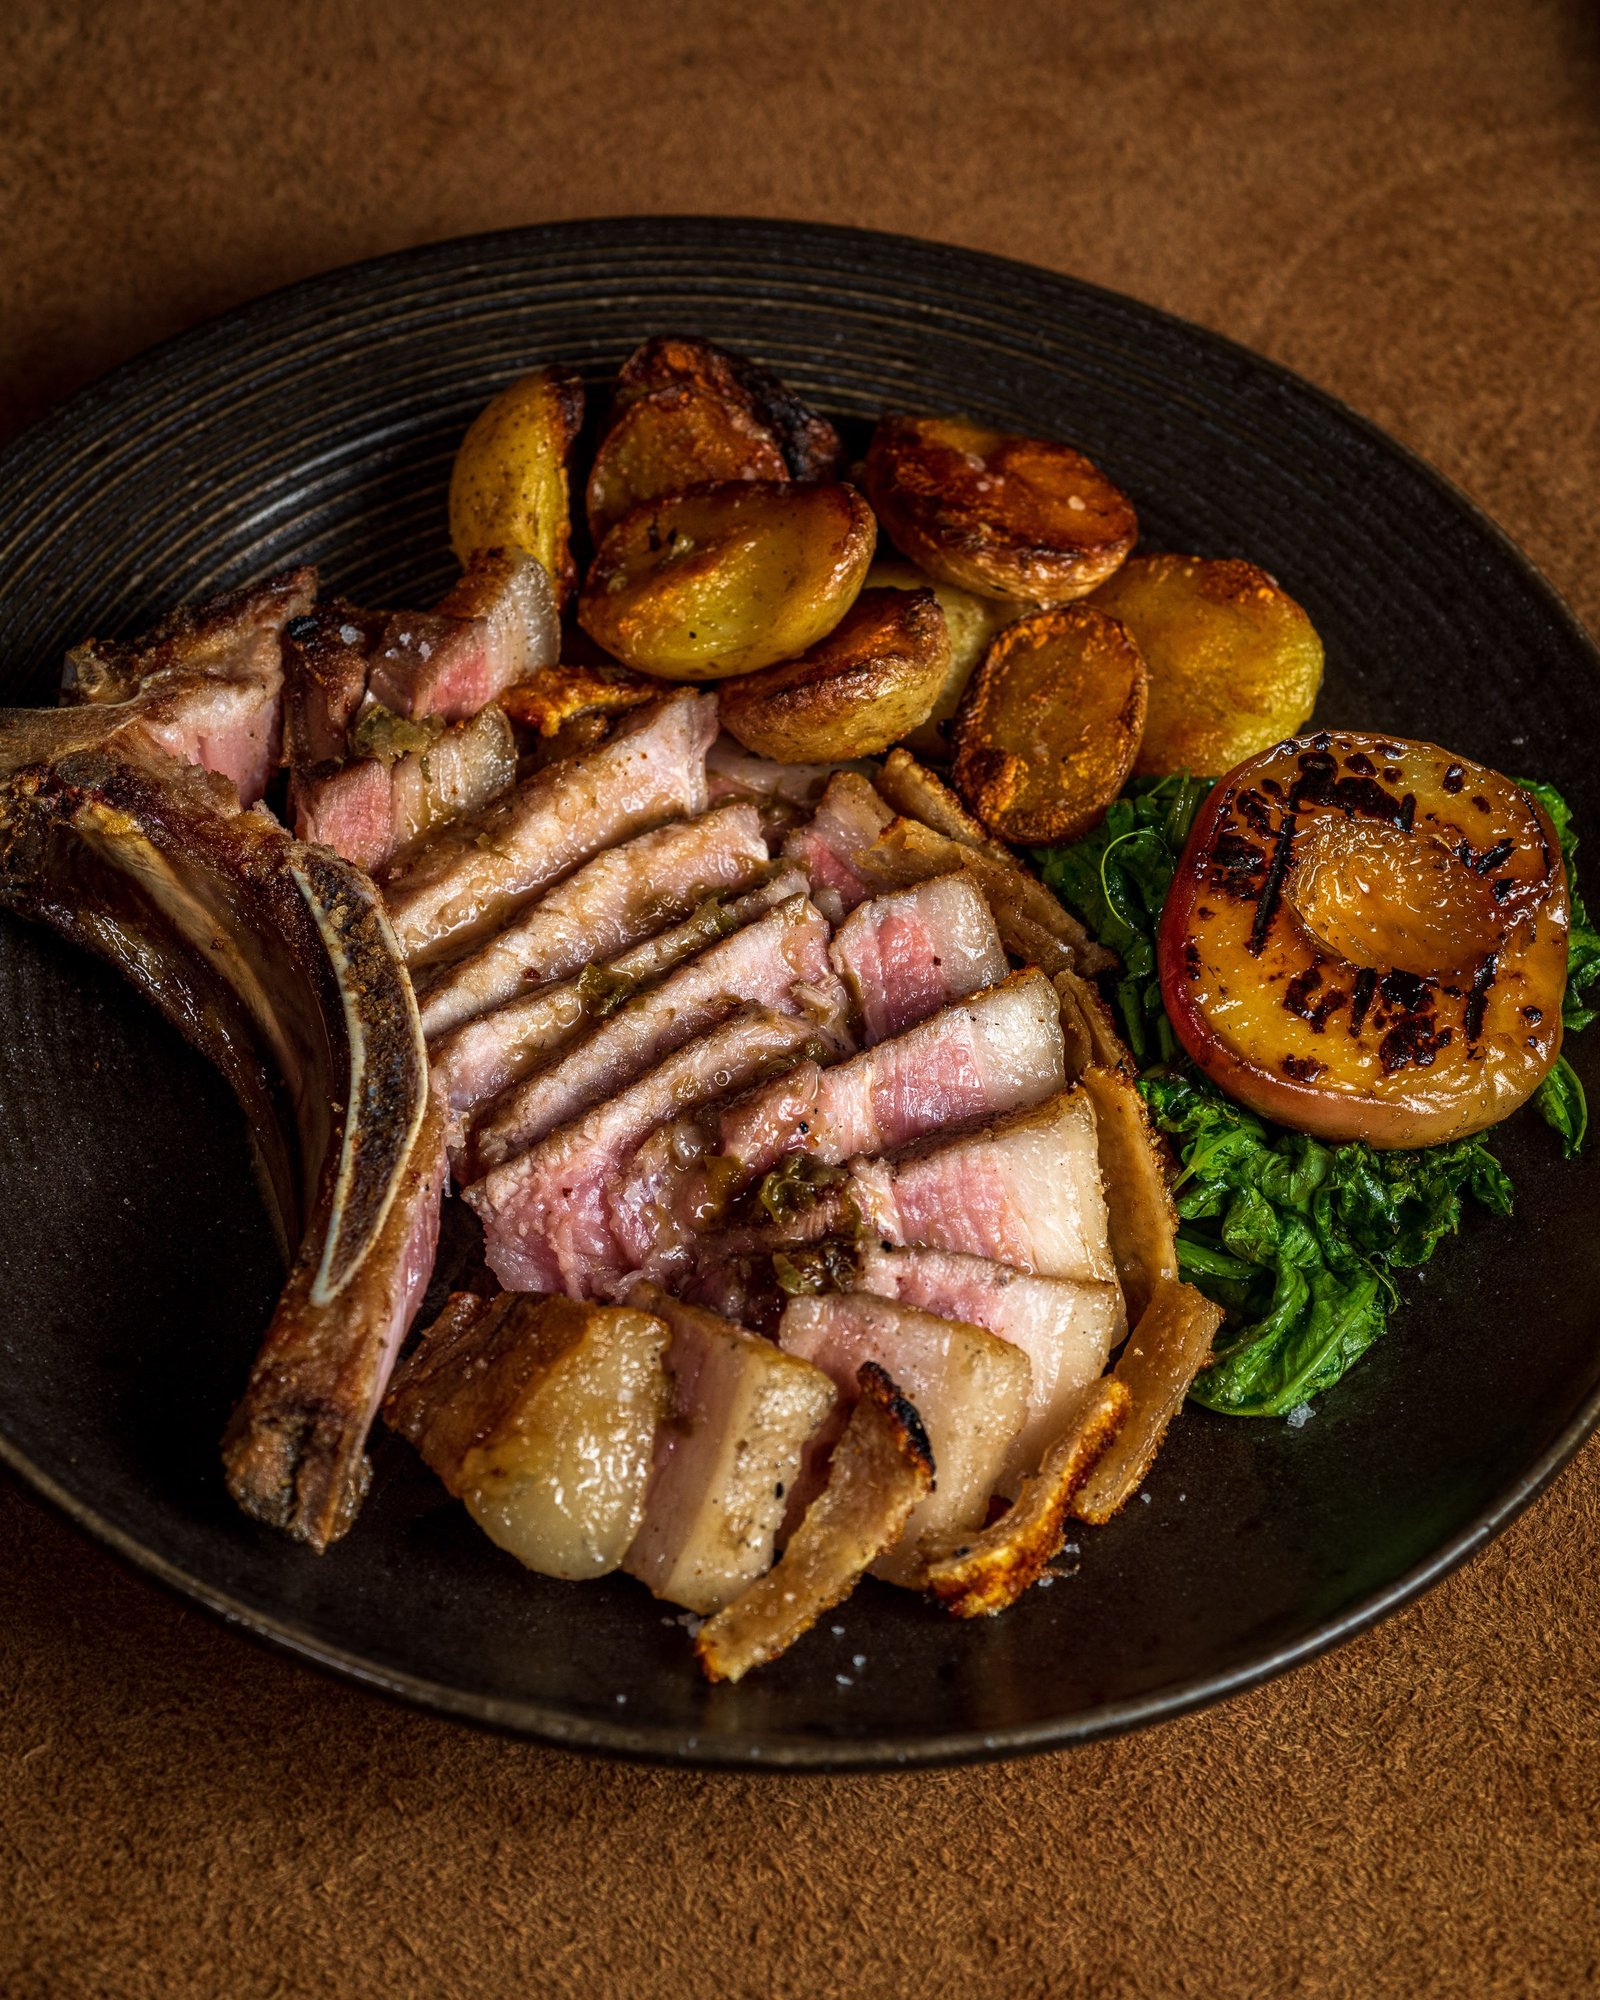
<point x="1235" y="664"/>
<point x="971" y="623"/>
<point x="727" y="579"/>
<point x="673" y="438"/>
<point x="808" y="442"/>
<point x="1007" y="517"/>
<point x="508" y="487"/>
<point x="1050" y="726"/>
<point x="868" y="683"/>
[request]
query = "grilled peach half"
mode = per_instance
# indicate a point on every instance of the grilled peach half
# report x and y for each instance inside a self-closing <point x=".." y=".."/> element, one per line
<point x="508" y="486"/>
<point x="1008" y="517"/>
<point x="728" y="578"/>
<point x="1366" y="938"/>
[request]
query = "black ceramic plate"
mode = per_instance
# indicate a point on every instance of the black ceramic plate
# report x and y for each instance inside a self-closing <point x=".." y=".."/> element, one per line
<point x="138" y="1267"/>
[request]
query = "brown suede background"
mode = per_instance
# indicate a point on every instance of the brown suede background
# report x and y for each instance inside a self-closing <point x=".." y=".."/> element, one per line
<point x="1400" y="200"/>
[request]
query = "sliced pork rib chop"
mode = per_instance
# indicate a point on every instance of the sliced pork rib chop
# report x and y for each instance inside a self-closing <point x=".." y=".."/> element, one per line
<point x="905" y="954"/>
<point x="627" y="893"/>
<point x="970" y="1389"/>
<point x="476" y="872"/>
<point x="497" y="625"/>
<point x="849" y="819"/>
<point x="1066" y="1328"/>
<point x="276" y="960"/>
<point x="544" y="1213"/>
<point x="740" y="1417"/>
<point x="1000" y="1051"/>
<point x="372" y="809"/>
<point x="205" y="686"/>
<point x="477" y="1062"/>
<point x="1025" y="1191"/>
<point x="779" y="961"/>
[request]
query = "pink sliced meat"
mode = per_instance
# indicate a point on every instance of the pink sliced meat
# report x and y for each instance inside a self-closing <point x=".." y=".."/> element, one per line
<point x="848" y="820"/>
<point x="997" y="1052"/>
<point x="1066" y="1328"/>
<point x="627" y="893"/>
<point x="206" y="685"/>
<point x="1026" y="1191"/>
<point x="473" y="874"/>
<point x="907" y="953"/>
<point x="544" y="1213"/>
<point x="369" y="811"/>
<point x="779" y="961"/>
<point x="496" y="626"/>
<point x="742" y="1412"/>
<point x="325" y="658"/>
<point x="474" y="1063"/>
<point x="970" y="1389"/>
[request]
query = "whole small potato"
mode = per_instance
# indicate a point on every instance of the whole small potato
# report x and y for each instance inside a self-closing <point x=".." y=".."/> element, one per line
<point x="1235" y="664"/>
<point x="1047" y="733"/>
<point x="508" y="487"/>
<point x="728" y="578"/>
<point x="1003" y="516"/>
<point x="870" y="682"/>
<point x="671" y="439"/>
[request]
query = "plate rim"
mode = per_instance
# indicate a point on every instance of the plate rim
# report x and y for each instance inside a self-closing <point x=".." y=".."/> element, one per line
<point x="671" y="1744"/>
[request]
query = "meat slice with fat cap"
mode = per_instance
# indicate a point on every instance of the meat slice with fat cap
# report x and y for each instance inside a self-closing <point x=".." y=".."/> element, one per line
<point x="474" y="1063"/>
<point x="370" y="810"/>
<point x="276" y="960"/>
<point x="622" y="895"/>
<point x="205" y="686"/>
<point x="905" y="954"/>
<point x="1025" y="1191"/>
<point x="1066" y="1327"/>
<point x="881" y="1468"/>
<point x="545" y="1215"/>
<point x="970" y="1389"/>
<point x="779" y="961"/>
<point x="740" y="1415"/>
<point x="477" y="871"/>
<point x="541" y="1415"/>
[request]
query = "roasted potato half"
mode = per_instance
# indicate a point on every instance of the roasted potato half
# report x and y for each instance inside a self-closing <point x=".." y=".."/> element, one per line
<point x="808" y="442"/>
<point x="870" y="682"/>
<point x="1050" y="725"/>
<point x="1235" y="664"/>
<point x="1007" y="517"/>
<point x="673" y="438"/>
<point x="729" y="578"/>
<point x="508" y="487"/>
<point x="971" y="623"/>
<point x="557" y="695"/>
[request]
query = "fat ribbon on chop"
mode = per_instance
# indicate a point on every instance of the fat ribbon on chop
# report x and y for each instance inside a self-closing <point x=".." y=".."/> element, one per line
<point x="468" y="878"/>
<point x="204" y="685"/>
<point x="276" y="960"/>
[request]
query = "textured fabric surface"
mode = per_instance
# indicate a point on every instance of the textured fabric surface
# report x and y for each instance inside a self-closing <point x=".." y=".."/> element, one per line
<point x="1402" y="203"/>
